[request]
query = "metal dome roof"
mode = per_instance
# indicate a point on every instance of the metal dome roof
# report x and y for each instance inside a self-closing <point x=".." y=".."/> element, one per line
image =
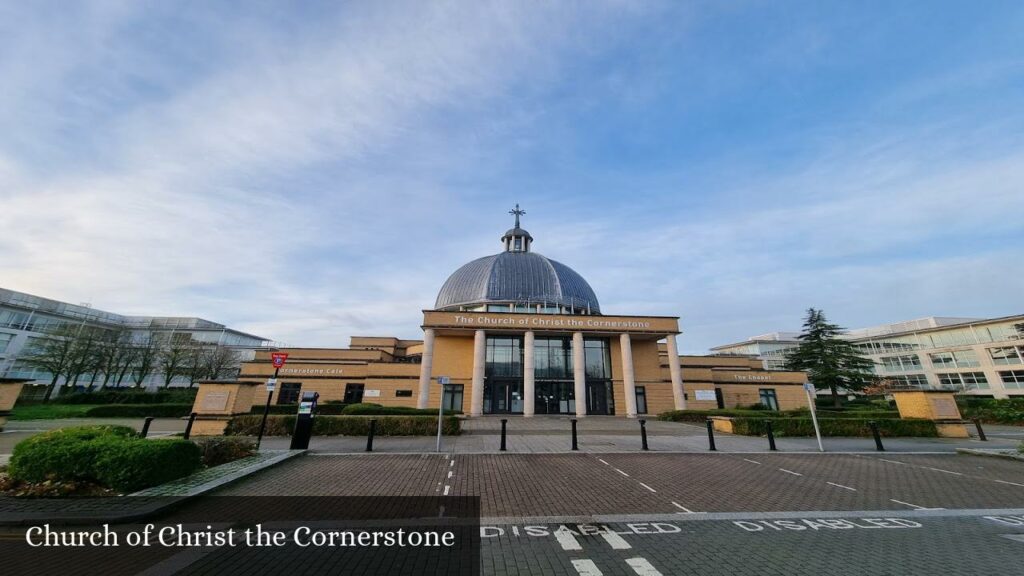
<point x="517" y="277"/>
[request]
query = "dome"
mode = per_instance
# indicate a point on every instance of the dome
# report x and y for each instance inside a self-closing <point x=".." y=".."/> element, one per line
<point x="517" y="276"/>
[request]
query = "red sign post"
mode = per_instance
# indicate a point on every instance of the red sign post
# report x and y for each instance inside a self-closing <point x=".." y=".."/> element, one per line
<point x="277" y="359"/>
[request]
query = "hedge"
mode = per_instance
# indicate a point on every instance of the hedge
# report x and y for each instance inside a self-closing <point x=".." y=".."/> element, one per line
<point x="139" y="411"/>
<point x="130" y="396"/>
<point x="991" y="411"/>
<point x="328" y="409"/>
<point x="835" y="427"/>
<point x="702" y="415"/>
<point x="217" y="450"/>
<point x="112" y="456"/>
<point x="378" y="410"/>
<point x="414" y="425"/>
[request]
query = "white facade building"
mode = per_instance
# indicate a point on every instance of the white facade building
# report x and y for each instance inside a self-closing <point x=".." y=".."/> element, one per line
<point x="983" y="357"/>
<point x="24" y="318"/>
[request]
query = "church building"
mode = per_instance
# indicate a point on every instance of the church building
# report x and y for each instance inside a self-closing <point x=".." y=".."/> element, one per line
<point x="519" y="333"/>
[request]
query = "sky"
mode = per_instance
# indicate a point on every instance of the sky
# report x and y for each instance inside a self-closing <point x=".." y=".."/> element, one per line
<point x="309" y="171"/>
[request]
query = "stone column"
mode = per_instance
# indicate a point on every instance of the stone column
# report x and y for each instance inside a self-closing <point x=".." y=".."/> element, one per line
<point x="579" y="374"/>
<point x="678" y="398"/>
<point x="426" y="367"/>
<point x="479" y="364"/>
<point x="529" y="392"/>
<point x="628" y="379"/>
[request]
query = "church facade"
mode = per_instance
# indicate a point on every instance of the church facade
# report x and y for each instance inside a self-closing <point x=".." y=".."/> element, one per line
<point x="518" y="333"/>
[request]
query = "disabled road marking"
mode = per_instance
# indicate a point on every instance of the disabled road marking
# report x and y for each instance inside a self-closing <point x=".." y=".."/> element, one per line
<point x="615" y="541"/>
<point x="1017" y="537"/>
<point x="642" y="567"/>
<point x="914" y="506"/>
<point x="586" y="567"/>
<point x="447" y="489"/>
<point x="567" y="540"/>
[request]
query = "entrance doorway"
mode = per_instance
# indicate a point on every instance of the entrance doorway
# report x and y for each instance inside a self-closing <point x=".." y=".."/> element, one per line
<point x="641" y="400"/>
<point x="503" y="396"/>
<point x="555" y="398"/>
<point x="599" y="398"/>
<point x="354" y="393"/>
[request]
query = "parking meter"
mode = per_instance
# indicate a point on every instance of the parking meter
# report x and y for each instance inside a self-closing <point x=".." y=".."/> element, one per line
<point x="304" y="421"/>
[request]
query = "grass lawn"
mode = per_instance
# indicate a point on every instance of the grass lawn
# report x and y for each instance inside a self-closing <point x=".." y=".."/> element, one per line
<point x="49" y="411"/>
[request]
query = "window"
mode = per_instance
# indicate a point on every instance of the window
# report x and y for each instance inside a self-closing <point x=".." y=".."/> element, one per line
<point x="289" y="393"/>
<point x="769" y="399"/>
<point x="964" y="380"/>
<point x="5" y="340"/>
<point x="911" y="379"/>
<point x="641" y="400"/>
<point x="598" y="360"/>
<point x="1006" y="355"/>
<point x="553" y="358"/>
<point x="504" y="357"/>
<point x="901" y="363"/>
<point x="1013" y="379"/>
<point x="955" y="359"/>
<point x="453" y="398"/>
<point x="403" y="393"/>
<point x="499" y="307"/>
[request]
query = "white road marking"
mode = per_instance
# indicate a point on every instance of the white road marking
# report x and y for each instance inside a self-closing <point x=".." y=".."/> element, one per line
<point x="891" y="461"/>
<point x="603" y="462"/>
<point x="620" y="472"/>
<point x="648" y="487"/>
<point x="446" y="489"/>
<point x="586" y="567"/>
<point x="752" y="461"/>
<point x="450" y="473"/>
<point x="946" y="471"/>
<point x="1010" y="483"/>
<point x="615" y="541"/>
<point x="452" y="463"/>
<point x="914" y="506"/>
<point x="790" y="472"/>
<point x="568" y="542"/>
<point x="1017" y="537"/>
<point x="642" y="567"/>
<point x="683" y="508"/>
<point x="841" y="486"/>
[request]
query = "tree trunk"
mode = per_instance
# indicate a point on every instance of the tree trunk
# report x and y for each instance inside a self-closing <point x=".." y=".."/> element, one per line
<point x="49" y="389"/>
<point x="835" y="396"/>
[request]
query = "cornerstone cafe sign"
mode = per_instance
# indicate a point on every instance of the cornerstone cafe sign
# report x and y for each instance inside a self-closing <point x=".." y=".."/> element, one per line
<point x="665" y="325"/>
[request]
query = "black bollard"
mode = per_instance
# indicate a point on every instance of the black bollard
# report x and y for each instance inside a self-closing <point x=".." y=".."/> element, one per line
<point x="878" y="437"/>
<point x="504" y="423"/>
<point x="145" y="427"/>
<point x="711" y="436"/>
<point x="771" y="435"/>
<point x="643" y="434"/>
<point x="188" y="427"/>
<point x="981" y="432"/>
<point x="575" y="445"/>
<point x="369" y="435"/>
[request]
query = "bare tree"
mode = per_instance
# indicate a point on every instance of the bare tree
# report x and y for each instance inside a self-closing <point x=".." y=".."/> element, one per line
<point x="197" y="363"/>
<point x="222" y="362"/>
<point x="84" y="357"/>
<point x="174" y="355"/>
<point x="52" y="353"/>
<point x="116" y="356"/>
<point x="147" y="353"/>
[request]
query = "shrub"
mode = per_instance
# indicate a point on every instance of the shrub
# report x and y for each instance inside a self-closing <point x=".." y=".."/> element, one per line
<point x="378" y="410"/>
<point x="326" y="409"/>
<point x="991" y="411"/>
<point x="219" y="450"/>
<point x="835" y="427"/>
<point x="700" y="416"/>
<point x="131" y="465"/>
<point x="139" y="411"/>
<point x="109" y="455"/>
<point x="411" y="425"/>
<point x="129" y="396"/>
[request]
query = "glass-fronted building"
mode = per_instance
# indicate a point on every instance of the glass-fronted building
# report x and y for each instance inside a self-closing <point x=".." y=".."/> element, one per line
<point x="25" y="320"/>
<point x="983" y="357"/>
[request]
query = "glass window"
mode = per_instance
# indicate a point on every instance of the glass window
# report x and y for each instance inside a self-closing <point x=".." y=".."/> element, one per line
<point x="1005" y="355"/>
<point x="943" y="360"/>
<point x="964" y="380"/>
<point x="769" y="399"/>
<point x="499" y="307"/>
<point x="598" y="360"/>
<point x="5" y="340"/>
<point x="1012" y="378"/>
<point x="901" y="363"/>
<point x="553" y="358"/>
<point x="504" y="356"/>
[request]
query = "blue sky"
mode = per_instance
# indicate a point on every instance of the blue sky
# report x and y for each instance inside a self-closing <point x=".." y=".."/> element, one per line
<point x="313" y="172"/>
